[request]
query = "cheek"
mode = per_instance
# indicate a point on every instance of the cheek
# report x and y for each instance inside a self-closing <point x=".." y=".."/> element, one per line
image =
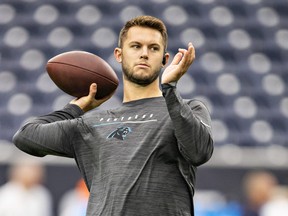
<point x="128" y="58"/>
<point x="158" y="64"/>
<point x="126" y="63"/>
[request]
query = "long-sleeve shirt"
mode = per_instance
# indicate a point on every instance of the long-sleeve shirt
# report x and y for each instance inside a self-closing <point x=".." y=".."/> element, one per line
<point x="137" y="159"/>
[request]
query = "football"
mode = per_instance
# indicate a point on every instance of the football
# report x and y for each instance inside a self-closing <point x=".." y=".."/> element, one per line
<point x="73" y="72"/>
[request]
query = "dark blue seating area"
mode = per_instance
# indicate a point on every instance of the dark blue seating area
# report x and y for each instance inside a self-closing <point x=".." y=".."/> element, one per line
<point x="241" y="69"/>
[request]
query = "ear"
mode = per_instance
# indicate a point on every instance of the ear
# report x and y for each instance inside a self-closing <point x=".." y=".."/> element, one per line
<point x="118" y="54"/>
<point x="165" y="58"/>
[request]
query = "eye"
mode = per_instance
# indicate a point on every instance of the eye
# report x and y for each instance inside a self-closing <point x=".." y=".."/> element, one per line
<point x="155" y="48"/>
<point x="135" y="46"/>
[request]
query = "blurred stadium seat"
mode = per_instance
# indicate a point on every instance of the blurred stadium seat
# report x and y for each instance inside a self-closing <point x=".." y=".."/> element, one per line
<point x="241" y="65"/>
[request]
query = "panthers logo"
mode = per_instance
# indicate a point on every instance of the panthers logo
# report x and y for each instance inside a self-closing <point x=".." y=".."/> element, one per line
<point x="120" y="133"/>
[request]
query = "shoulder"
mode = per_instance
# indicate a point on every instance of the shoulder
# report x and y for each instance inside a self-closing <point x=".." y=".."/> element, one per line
<point x="93" y="114"/>
<point x="9" y="189"/>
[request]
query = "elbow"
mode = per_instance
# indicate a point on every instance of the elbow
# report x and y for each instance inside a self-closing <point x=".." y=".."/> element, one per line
<point x="205" y="153"/>
<point x="16" y="140"/>
<point x="24" y="145"/>
<point x="201" y="154"/>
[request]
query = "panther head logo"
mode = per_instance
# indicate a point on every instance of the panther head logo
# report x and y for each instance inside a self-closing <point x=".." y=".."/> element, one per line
<point x="120" y="133"/>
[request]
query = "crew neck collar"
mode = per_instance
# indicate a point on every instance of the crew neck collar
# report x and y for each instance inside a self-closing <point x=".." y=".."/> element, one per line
<point x="143" y="101"/>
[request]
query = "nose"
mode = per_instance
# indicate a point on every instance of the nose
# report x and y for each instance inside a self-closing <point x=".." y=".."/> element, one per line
<point x="144" y="57"/>
<point x="144" y="53"/>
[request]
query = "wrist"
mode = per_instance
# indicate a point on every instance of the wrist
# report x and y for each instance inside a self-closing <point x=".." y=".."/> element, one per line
<point x="169" y="85"/>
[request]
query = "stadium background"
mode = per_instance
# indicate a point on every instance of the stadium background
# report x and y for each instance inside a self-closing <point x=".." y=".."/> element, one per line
<point x="240" y="73"/>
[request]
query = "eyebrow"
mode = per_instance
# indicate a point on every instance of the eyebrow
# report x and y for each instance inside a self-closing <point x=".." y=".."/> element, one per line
<point x="137" y="42"/>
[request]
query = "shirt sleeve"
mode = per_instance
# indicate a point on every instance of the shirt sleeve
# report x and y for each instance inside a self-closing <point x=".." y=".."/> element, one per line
<point x="192" y="124"/>
<point x="50" y="134"/>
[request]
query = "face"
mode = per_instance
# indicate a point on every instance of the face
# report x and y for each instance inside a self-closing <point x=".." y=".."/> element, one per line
<point x="141" y="55"/>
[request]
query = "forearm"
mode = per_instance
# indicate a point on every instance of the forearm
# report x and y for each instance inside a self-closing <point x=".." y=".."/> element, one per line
<point x="70" y="111"/>
<point x="49" y="134"/>
<point x="192" y="126"/>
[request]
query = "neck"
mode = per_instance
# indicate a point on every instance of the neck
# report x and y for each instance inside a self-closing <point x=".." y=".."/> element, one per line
<point x="133" y="91"/>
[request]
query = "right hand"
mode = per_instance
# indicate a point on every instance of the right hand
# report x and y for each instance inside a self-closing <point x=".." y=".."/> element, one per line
<point x="89" y="102"/>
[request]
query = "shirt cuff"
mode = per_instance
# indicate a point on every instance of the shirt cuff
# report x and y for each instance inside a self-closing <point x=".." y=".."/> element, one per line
<point x="167" y="86"/>
<point x="74" y="110"/>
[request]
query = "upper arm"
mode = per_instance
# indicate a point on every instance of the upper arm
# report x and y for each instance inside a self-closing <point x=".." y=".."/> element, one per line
<point x="55" y="138"/>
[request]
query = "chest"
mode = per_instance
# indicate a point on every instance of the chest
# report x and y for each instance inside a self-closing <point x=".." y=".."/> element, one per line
<point x="121" y="146"/>
<point x="130" y="127"/>
<point x="123" y="138"/>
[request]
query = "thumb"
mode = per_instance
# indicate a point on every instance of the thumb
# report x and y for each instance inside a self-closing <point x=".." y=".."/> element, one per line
<point x="92" y="91"/>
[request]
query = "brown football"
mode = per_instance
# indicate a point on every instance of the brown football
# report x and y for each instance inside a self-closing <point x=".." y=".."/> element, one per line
<point x="73" y="72"/>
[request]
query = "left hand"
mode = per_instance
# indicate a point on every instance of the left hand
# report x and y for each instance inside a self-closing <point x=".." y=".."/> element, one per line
<point x="179" y="65"/>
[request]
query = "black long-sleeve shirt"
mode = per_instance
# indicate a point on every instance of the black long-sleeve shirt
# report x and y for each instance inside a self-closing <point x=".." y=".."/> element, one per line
<point x="138" y="159"/>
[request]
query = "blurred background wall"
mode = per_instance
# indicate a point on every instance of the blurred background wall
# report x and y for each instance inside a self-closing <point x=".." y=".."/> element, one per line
<point x="240" y="73"/>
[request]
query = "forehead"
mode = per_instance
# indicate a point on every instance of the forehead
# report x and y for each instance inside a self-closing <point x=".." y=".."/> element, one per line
<point x="144" y="35"/>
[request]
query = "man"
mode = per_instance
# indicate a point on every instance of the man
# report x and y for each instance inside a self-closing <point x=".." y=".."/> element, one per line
<point x="141" y="158"/>
<point x="24" y="192"/>
<point x="258" y="187"/>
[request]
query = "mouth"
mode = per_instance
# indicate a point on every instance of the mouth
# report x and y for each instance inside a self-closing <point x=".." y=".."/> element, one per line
<point x="143" y="65"/>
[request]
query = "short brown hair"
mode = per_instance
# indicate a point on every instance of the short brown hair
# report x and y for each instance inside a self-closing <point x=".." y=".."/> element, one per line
<point x="144" y="21"/>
